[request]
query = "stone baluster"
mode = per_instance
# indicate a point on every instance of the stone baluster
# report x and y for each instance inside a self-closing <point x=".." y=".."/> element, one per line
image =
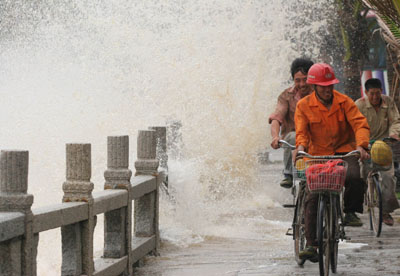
<point x="146" y="207"/>
<point x="118" y="223"/>
<point x="18" y="256"/>
<point x="77" y="239"/>
<point x="147" y="162"/>
<point x="161" y="142"/>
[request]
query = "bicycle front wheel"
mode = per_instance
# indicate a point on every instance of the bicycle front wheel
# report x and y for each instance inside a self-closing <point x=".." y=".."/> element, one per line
<point x="335" y="230"/>
<point x="299" y="227"/>
<point x="323" y="233"/>
<point x="374" y="201"/>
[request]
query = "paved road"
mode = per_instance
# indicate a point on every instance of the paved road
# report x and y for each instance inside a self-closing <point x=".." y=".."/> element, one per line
<point x="363" y="255"/>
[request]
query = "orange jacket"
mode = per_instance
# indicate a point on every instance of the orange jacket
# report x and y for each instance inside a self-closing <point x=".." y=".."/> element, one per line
<point x="326" y="132"/>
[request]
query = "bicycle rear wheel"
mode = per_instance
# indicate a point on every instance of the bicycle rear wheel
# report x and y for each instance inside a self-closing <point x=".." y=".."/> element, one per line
<point x="323" y="233"/>
<point x="299" y="228"/>
<point x="374" y="198"/>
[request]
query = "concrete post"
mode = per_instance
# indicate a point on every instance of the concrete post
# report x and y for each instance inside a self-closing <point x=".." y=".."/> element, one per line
<point x="78" y="186"/>
<point x="146" y="208"/>
<point x="161" y="142"/>
<point x="118" y="223"/>
<point x="11" y="257"/>
<point x="17" y="255"/>
<point x="77" y="239"/>
<point x="147" y="162"/>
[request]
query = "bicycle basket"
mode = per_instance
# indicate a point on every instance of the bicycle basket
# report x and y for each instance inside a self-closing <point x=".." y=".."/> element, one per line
<point x="325" y="175"/>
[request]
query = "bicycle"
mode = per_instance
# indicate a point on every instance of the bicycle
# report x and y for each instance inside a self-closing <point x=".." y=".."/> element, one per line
<point x="326" y="176"/>
<point x="299" y="197"/>
<point x="373" y="195"/>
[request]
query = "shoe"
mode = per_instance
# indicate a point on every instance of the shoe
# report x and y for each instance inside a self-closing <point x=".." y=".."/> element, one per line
<point x="351" y="219"/>
<point x="287" y="182"/>
<point x="309" y="253"/>
<point x="387" y="219"/>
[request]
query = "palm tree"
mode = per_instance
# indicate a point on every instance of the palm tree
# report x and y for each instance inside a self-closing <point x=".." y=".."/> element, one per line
<point x="388" y="16"/>
<point x="353" y="35"/>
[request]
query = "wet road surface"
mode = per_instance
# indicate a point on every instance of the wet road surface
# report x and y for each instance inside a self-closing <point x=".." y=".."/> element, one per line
<point x="364" y="254"/>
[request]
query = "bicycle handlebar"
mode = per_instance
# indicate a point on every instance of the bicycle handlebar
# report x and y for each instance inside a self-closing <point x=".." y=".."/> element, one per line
<point x="389" y="139"/>
<point x="305" y="154"/>
<point x="280" y="142"/>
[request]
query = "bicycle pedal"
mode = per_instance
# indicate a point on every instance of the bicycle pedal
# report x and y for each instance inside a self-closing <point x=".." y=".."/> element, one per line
<point x="289" y="233"/>
<point x="289" y="205"/>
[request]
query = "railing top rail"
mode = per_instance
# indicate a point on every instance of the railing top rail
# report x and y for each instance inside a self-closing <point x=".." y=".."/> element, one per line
<point x="11" y="225"/>
<point x="61" y="214"/>
<point x="108" y="200"/>
<point x="57" y="215"/>
<point x="143" y="184"/>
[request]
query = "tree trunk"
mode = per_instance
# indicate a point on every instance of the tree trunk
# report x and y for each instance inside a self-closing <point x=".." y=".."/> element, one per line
<point x="352" y="78"/>
<point x="355" y="36"/>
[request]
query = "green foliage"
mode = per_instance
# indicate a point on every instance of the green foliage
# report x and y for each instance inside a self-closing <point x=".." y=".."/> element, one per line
<point x="355" y="31"/>
<point x="346" y="43"/>
<point x="389" y="12"/>
<point x="396" y="4"/>
<point x="357" y="8"/>
<point x="393" y="27"/>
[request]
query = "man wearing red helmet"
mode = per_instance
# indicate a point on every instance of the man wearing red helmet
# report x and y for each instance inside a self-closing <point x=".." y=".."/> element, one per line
<point x="327" y="123"/>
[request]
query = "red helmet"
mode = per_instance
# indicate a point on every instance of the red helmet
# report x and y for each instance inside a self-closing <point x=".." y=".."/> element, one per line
<point x="321" y="74"/>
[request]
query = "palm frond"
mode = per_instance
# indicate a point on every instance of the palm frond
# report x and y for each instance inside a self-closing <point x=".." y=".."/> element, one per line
<point x="346" y="43"/>
<point x="388" y="17"/>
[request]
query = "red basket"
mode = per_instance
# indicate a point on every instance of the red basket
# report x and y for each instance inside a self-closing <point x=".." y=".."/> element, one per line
<point x="325" y="175"/>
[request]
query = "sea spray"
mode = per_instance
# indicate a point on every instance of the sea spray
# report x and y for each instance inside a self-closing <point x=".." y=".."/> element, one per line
<point x="79" y="71"/>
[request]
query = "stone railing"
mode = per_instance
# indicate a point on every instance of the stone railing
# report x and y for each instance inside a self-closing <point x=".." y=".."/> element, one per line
<point x="76" y="215"/>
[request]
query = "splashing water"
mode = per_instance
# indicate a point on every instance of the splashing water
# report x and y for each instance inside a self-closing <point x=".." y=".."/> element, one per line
<point x="79" y="71"/>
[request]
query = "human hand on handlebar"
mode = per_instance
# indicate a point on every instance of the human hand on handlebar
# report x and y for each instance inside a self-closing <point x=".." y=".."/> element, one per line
<point x="363" y="153"/>
<point x="295" y="151"/>
<point x="275" y="142"/>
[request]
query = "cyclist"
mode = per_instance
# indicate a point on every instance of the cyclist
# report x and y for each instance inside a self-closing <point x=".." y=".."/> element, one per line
<point x="282" y="120"/>
<point x="384" y="121"/>
<point x="328" y="123"/>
